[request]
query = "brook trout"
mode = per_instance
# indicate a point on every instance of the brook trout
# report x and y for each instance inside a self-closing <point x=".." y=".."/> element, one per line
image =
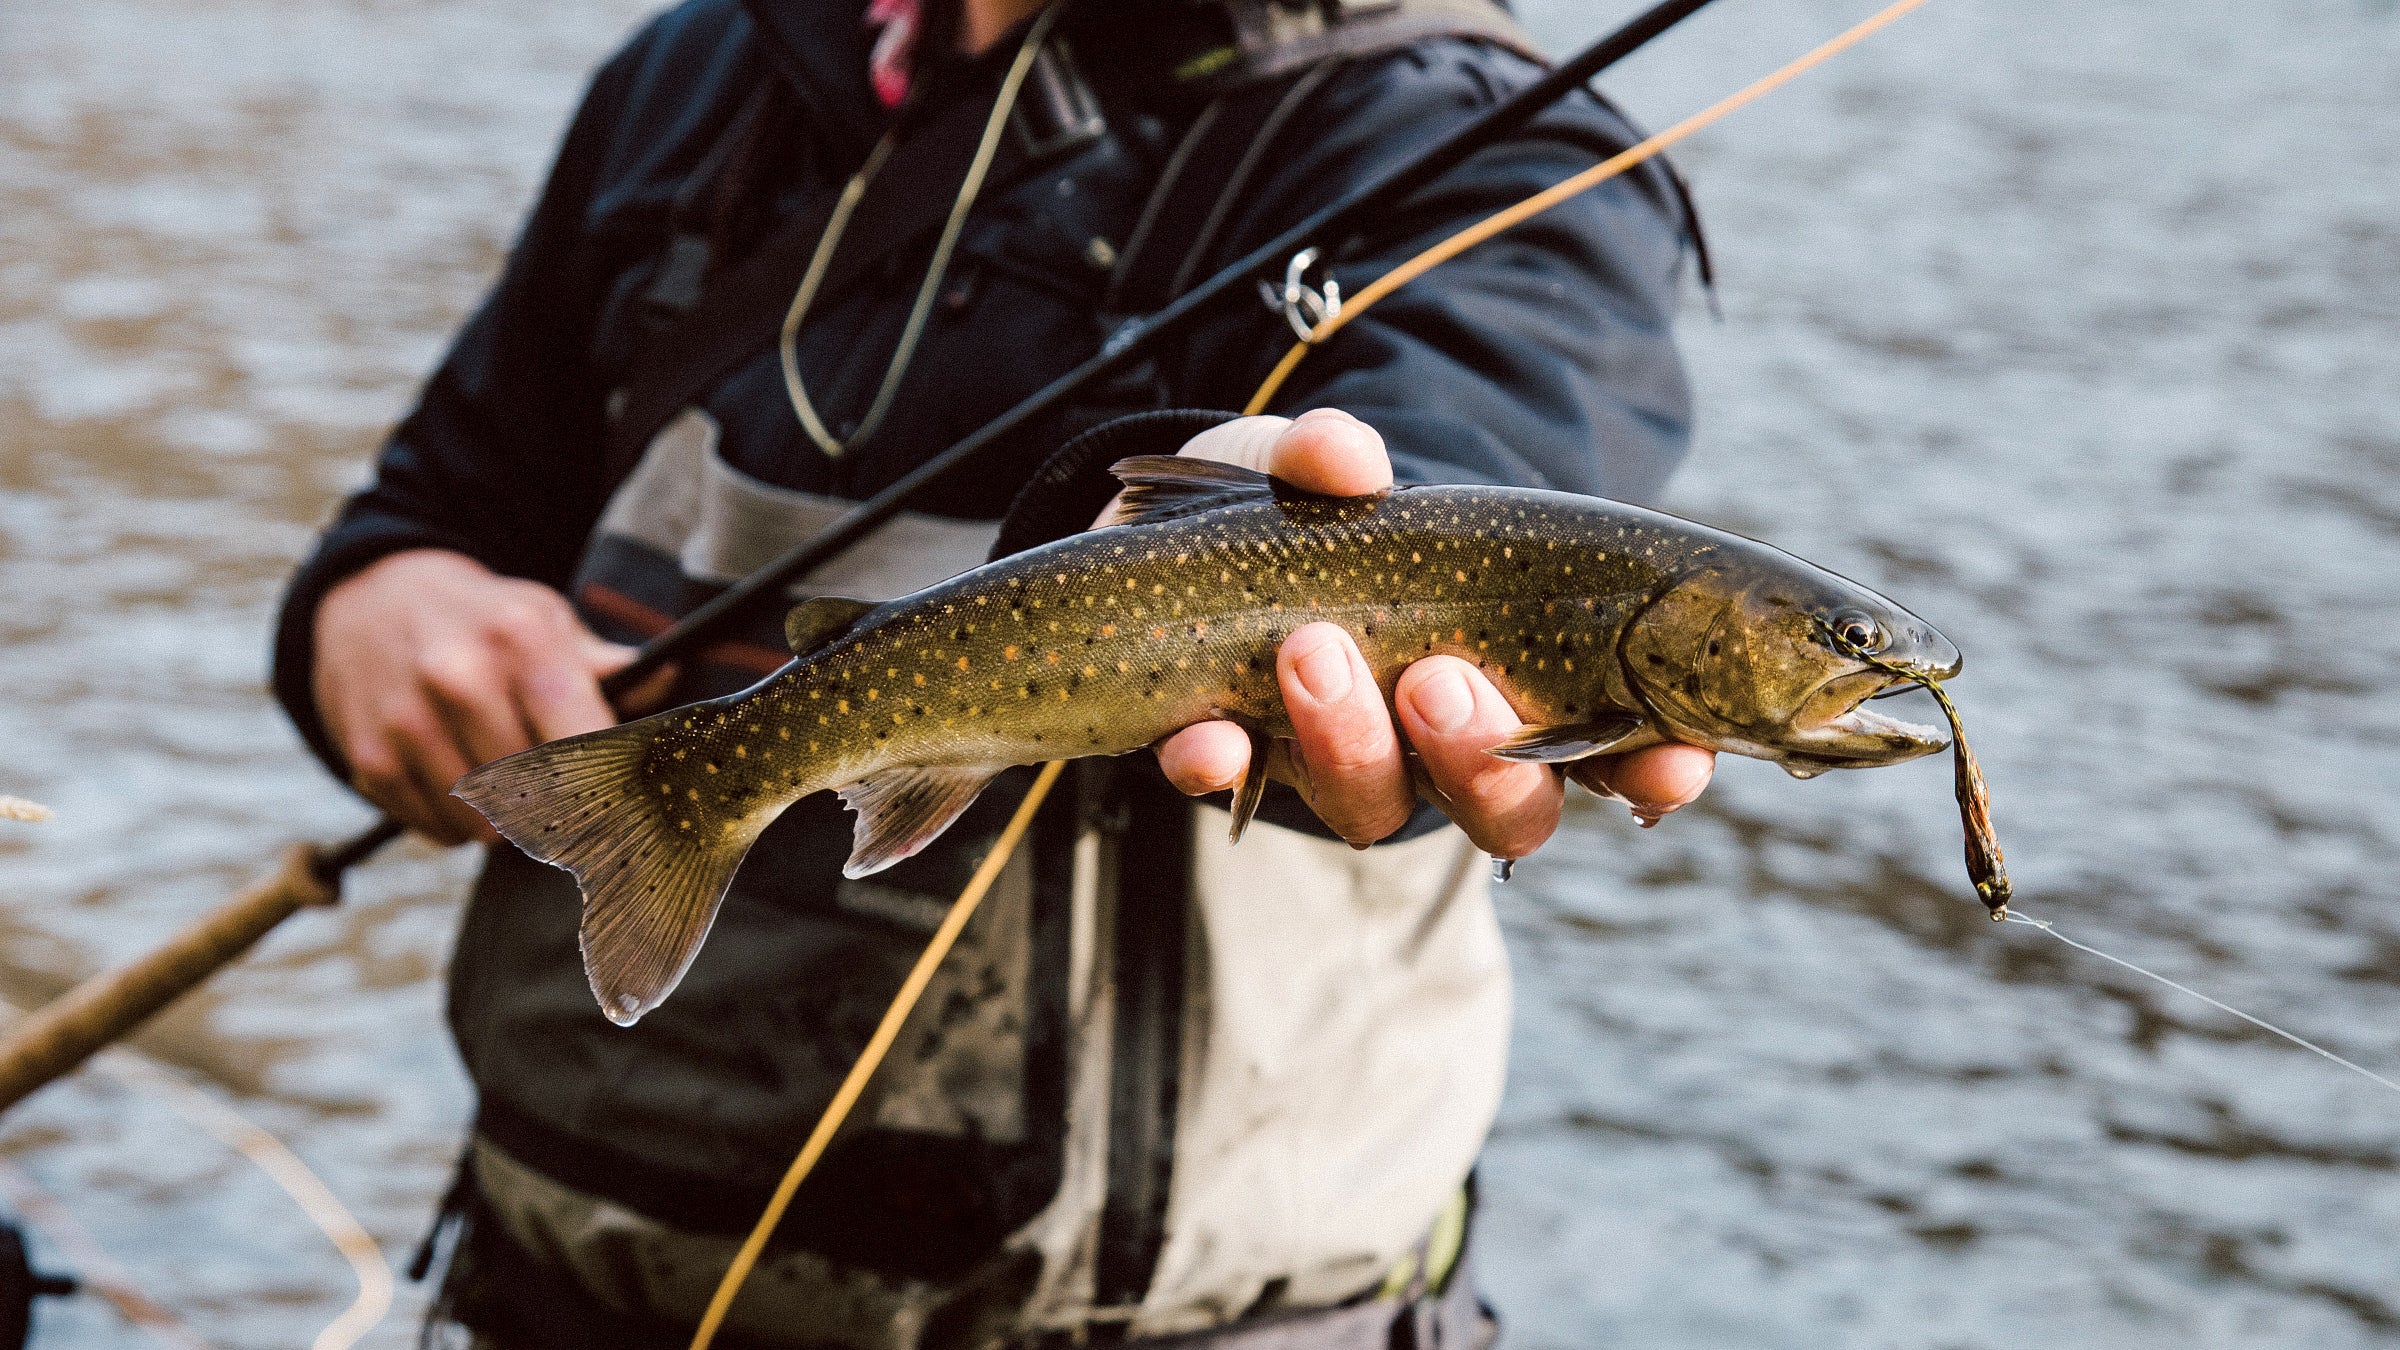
<point x="1607" y="627"/>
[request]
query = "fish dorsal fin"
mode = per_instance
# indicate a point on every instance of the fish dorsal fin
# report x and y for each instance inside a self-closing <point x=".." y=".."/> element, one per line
<point x="1572" y="741"/>
<point x="1170" y="487"/>
<point x="815" y="622"/>
<point x="901" y="810"/>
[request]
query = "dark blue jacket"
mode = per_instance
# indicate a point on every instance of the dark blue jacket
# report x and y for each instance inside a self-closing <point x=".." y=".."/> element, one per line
<point x="1541" y="358"/>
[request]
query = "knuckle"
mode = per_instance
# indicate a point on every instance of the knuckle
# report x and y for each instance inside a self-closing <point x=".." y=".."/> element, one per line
<point x="1351" y="737"/>
<point x="553" y="685"/>
<point x="1354" y="761"/>
<point x="383" y="783"/>
<point x="1519" y="838"/>
<point x="1382" y="824"/>
<point x="1511" y="831"/>
<point x="455" y="670"/>
<point x="528" y="612"/>
<point x="375" y="771"/>
<point x="411" y="729"/>
<point x="1368" y="815"/>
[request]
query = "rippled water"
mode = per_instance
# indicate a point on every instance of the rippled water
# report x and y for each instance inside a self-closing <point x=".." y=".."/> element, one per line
<point x="2070" y="325"/>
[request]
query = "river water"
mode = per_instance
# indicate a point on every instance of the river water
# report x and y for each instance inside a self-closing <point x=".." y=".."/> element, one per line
<point x="2071" y="325"/>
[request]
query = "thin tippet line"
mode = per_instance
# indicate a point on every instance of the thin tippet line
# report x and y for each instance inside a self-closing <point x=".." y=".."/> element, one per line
<point x="2304" y="1043"/>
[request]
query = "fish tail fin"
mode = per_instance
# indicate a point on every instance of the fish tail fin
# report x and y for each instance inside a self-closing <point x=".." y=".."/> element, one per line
<point x="651" y="882"/>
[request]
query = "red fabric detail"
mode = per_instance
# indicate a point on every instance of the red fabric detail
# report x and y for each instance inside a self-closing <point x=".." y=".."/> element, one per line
<point x="895" y="47"/>
<point x="609" y="603"/>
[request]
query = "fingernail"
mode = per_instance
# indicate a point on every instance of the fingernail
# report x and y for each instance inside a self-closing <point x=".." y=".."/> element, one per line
<point x="1444" y="701"/>
<point x="1325" y="672"/>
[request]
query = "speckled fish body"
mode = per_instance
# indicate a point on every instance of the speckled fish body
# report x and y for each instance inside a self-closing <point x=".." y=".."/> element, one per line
<point x="1606" y="626"/>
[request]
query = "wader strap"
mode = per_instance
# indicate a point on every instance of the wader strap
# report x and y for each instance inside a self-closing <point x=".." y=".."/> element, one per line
<point x="1146" y="865"/>
<point x="1273" y="38"/>
<point x="701" y="219"/>
<point x="1238" y="182"/>
<point x="1282" y="55"/>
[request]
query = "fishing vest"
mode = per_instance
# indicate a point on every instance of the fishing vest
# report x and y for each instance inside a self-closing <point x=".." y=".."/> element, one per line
<point x="1160" y="1085"/>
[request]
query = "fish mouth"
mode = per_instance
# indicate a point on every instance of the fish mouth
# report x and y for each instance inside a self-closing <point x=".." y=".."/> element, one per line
<point x="1835" y="728"/>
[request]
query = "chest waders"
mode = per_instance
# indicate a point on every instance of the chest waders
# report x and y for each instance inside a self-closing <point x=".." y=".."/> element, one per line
<point x="1128" y="840"/>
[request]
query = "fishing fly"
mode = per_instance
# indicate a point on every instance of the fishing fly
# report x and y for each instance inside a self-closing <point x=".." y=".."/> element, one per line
<point x="1985" y="866"/>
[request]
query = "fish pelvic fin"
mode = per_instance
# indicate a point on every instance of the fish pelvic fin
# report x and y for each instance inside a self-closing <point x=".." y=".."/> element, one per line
<point x="651" y="881"/>
<point x="901" y="810"/>
<point x="1573" y="741"/>
<point x="1253" y="787"/>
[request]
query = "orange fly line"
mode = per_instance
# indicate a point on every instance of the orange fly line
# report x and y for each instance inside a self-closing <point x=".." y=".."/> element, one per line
<point x="1542" y="201"/>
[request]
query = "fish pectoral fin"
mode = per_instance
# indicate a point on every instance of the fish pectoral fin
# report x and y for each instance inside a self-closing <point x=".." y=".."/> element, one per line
<point x="819" y="620"/>
<point x="901" y="810"/>
<point x="1254" y="783"/>
<point x="1572" y="741"/>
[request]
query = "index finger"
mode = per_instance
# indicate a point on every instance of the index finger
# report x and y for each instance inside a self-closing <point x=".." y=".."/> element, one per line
<point x="561" y="697"/>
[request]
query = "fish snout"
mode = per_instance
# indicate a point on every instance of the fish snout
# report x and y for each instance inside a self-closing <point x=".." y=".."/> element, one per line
<point x="1919" y="648"/>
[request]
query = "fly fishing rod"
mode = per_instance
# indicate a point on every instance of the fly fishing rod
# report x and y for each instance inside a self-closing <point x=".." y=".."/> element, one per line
<point x="101" y="1010"/>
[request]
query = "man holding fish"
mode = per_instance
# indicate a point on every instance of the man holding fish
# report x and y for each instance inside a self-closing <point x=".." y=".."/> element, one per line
<point x="1238" y="1116"/>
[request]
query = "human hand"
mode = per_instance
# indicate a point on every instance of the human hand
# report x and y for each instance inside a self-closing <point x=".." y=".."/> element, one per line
<point x="429" y="664"/>
<point x="1357" y="774"/>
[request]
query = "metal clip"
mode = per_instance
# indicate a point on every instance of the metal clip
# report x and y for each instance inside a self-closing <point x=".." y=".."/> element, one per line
<point x="1303" y="307"/>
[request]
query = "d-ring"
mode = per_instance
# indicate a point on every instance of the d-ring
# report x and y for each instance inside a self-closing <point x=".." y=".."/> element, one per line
<point x="1303" y="307"/>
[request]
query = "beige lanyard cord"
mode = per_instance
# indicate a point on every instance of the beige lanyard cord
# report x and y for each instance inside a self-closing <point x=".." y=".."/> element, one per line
<point x="852" y="194"/>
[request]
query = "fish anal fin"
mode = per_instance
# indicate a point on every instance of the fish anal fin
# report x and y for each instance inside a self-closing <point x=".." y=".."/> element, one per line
<point x="814" y="622"/>
<point x="901" y="810"/>
<point x="1570" y="741"/>
<point x="651" y="884"/>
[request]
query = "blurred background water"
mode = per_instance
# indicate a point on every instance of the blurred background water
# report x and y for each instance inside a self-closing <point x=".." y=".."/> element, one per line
<point x="2072" y="325"/>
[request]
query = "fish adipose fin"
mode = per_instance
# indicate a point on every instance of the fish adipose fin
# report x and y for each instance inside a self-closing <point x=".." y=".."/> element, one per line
<point x="816" y="623"/>
<point x="651" y="884"/>
<point x="1573" y="741"/>
<point x="902" y="810"/>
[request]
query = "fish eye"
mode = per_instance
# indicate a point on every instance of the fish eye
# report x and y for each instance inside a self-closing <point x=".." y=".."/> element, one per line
<point x="1857" y="630"/>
